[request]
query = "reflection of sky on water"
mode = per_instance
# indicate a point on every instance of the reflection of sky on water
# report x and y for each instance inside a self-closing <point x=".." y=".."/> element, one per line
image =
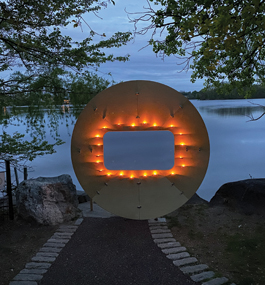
<point x="138" y="150"/>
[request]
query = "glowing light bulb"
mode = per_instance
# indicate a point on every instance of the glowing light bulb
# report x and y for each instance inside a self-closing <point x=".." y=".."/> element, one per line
<point x="104" y="127"/>
<point x="97" y="136"/>
<point x="131" y="176"/>
<point x="98" y="161"/>
<point x="144" y="122"/>
<point x="172" y="173"/>
<point x="100" y="170"/>
<point x="171" y="126"/>
<point x="133" y="125"/>
<point x="183" y="165"/>
<point x="108" y="174"/>
<point x="180" y="157"/>
<point x="154" y="173"/>
<point x="145" y="174"/>
<point x="121" y="173"/>
<point x="180" y="134"/>
<point x="182" y="143"/>
<point x="154" y="125"/>
<point x="99" y="144"/>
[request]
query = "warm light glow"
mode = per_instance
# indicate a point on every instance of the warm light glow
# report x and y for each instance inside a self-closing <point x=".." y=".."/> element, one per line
<point x="145" y="174"/>
<point x="183" y="165"/>
<point x="133" y="125"/>
<point x="98" y="161"/>
<point x="119" y="124"/>
<point x="121" y="173"/>
<point x="131" y="176"/>
<point x="154" y="173"/>
<point x="104" y="127"/>
<point x="144" y="122"/>
<point x="99" y="144"/>
<point x="182" y="143"/>
<point x="171" y="126"/>
<point x="180" y="134"/>
<point x="180" y="157"/>
<point x="108" y="174"/>
<point x="172" y="173"/>
<point x="97" y="136"/>
<point x="100" y="170"/>
<point x="154" y="125"/>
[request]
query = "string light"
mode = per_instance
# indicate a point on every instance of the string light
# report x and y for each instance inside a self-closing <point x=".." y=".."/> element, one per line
<point x="131" y="176"/>
<point x="121" y="173"/>
<point x="154" y="173"/>
<point x="97" y="136"/>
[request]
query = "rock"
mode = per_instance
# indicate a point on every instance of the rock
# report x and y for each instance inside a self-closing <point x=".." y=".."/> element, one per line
<point x="246" y="196"/>
<point x="47" y="200"/>
<point x="82" y="197"/>
<point x="196" y="200"/>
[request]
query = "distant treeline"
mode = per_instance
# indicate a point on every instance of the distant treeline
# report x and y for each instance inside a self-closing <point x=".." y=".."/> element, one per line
<point x="212" y="94"/>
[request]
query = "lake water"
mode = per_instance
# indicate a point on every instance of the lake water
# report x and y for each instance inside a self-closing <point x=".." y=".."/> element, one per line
<point x="237" y="146"/>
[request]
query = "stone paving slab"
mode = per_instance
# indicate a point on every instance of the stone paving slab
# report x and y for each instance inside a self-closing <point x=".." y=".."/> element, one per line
<point x="216" y="281"/>
<point x="155" y="227"/>
<point x="166" y="235"/>
<point x="53" y="244"/>
<point x="202" y="276"/>
<point x="47" y="254"/>
<point x="28" y="277"/>
<point x="51" y="249"/>
<point x="185" y="261"/>
<point x="33" y="271"/>
<point x="60" y="240"/>
<point x="168" y="244"/>
<point x="176" y="256"/>
<point x="43" y="259"/>
<point x="41" y="265"/>
<point x="194" y="268"/>
<point x="164" y="240"/>
<point x="23" y="283"/>
<point x="160" y="231"/>
<point x="62" y="235"/>
<point x="174" y="250"/>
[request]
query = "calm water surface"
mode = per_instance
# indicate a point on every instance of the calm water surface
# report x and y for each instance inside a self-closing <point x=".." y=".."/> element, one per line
<point x="237" y="146"/>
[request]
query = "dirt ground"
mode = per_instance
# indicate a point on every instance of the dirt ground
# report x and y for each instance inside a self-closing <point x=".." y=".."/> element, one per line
<point x="231" y="244"/>
<point x="19" y="242"/>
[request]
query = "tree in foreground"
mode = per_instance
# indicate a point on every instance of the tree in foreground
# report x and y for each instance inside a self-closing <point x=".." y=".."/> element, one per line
<point x="33" y="37"/>
<point x="221" y="40"/>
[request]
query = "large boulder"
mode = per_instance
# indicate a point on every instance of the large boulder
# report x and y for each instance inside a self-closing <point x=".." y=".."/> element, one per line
<point x="47" y="200"/>
<point x="246" y="196"/>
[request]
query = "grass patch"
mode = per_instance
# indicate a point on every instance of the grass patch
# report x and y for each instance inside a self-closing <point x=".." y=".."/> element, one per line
<point x="245" y="253"/>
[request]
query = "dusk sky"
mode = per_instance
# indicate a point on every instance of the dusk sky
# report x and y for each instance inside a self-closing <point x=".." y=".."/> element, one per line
<point x="143" y="64"/>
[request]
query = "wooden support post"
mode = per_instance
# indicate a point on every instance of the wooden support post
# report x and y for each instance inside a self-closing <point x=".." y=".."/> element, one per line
<point x="15" y="170"/>
<point x="91" y="204"/>
<point x="25" y="173"/>
<point x="9" y="190"/>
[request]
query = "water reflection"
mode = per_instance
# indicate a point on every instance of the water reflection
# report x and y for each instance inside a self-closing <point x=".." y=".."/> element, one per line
<point x="232" y="111"/>
<point x="237" y="147"/>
